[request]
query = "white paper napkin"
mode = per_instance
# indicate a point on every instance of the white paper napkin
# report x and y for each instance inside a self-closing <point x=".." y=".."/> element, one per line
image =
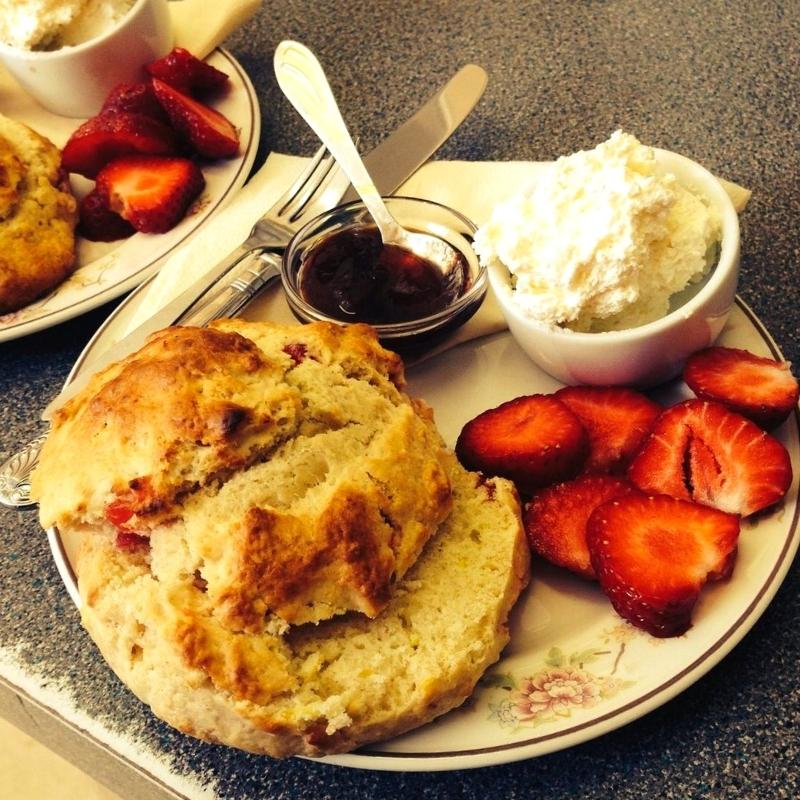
<point x="473" y="188"/>
<point x="200" y="26"/>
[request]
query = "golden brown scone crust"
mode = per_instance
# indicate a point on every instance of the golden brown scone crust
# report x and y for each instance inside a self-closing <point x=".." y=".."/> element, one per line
<point x="38" y="214"/>
<point x="300" y="477"/>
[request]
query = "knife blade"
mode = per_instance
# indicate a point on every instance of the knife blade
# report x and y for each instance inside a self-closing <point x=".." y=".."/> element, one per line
<point x="392" y="162"/>
<point x="402" y="153"/>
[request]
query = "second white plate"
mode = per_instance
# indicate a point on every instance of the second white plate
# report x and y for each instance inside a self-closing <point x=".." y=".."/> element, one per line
<point x="107" y="270"/>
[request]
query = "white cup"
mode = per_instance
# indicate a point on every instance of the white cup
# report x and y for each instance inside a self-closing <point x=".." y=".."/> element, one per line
<point x="651" y="353"/>
<point x="74" y="81"/>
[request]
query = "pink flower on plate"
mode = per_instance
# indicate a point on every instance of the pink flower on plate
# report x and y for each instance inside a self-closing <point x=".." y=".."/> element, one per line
<point x="556" y="691"/>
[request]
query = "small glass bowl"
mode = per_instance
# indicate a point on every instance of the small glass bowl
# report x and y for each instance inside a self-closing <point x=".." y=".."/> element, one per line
<point x="414" y="214"/>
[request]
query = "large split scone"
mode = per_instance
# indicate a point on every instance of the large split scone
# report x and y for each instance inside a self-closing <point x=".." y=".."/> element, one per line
<point x="278" y="552"/>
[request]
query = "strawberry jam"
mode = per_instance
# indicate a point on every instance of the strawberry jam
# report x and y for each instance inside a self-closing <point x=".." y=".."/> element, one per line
<point x="352" y="275"/>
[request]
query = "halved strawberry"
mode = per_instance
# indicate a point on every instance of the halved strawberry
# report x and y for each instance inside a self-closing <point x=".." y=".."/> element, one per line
<point x="138" y="98"/>
<point x="534" y="440"/>
<point x="555" y="519"/>
<point x="151" y="193"/>
<point x="208" y="132"/>
<point x="616" y="419"/>
<point x="99" y="223"/>
<point x="760" y="389"/>
<point x="188" y="74"/>
<point x="652" y="555"/>
<point x="699" y="450"/>
<point x="112" y="134"/>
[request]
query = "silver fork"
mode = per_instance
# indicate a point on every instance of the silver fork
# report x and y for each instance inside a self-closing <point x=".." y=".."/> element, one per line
<point x="255" y="263"/>
<point x="251" y="266"/>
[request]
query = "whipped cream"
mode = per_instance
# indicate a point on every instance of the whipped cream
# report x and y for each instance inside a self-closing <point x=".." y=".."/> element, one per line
<point x="51" y="24"/>
<point x="603" y="240"/>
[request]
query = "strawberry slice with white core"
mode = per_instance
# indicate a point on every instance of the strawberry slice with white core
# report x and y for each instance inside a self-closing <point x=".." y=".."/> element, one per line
<point x="617" y="421"/>
<point x="699" y="450"/>
<point x="555" y="519"/>
<point x="653" y="554"/>
<point x="760" y="389"/>
<point x="208" y="133"/>
<point x="534" y="440"/>
<point x="153" y="194"/>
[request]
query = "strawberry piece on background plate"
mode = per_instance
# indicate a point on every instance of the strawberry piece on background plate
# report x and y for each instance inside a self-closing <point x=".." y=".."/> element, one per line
<point x="188" y="74"/>
<point x="112" y="134"/>
<point x="617" y="421"/>
<point x="555" y="519"/>
<point x="699" y="450"/>
<point x="206" y="131"/>
<point x="138" y="98"/>
<point x="534" y="440"/>
<point x="153" y="194"/>
<point x="653" y="554"/>
<point x="760" y="389"/>
<point x="99" y="223"/>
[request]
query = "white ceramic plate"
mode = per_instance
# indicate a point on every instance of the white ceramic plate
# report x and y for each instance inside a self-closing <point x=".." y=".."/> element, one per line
<point x="591" y="671"/>
<point x="108" y="269"/>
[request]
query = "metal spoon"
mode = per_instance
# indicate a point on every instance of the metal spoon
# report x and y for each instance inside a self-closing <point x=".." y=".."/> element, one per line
<point x="303" y="81"/>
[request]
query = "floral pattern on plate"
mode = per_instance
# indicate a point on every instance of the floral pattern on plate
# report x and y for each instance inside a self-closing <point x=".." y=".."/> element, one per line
<point x="566" y="682"/>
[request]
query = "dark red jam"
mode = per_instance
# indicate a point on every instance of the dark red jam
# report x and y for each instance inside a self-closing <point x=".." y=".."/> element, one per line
<point x="352" y="276"/>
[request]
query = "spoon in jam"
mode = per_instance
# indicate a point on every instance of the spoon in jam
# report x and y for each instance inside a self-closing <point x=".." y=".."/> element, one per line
<point x="302" y="79"/>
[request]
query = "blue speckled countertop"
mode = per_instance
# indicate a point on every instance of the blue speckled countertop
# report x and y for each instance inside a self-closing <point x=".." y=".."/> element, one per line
<point x="716" y="81"/>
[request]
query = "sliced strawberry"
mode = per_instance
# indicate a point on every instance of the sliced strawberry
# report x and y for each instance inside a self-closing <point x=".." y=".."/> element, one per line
<point x="99" y="223"/>
<point x="760" y="389"/>
<point x="113" y="134"/>
<point x="188" y="74"/>
<point x="652" y="555"/>
<point x="153" y="194"/>
<point x="208" y="132"/>
<point x="555" y="519"/>
<point x="137" y="98"/>
<point x="699" y="450"/>
<point x="533" y="440"/>
<point x="616" y="419"/>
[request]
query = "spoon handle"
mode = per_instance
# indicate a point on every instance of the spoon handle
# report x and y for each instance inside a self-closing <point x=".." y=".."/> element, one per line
<point x="302" y="79"/>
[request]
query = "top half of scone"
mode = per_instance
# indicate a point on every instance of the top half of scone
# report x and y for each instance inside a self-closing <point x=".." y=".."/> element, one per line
<point x="286" y="460"/>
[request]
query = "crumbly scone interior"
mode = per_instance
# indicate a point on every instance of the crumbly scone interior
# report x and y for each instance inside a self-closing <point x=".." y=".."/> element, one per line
<point x="337" y="683"/>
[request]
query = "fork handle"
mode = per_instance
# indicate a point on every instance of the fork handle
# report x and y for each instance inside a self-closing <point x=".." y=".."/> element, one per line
<point x="247" y="282"/>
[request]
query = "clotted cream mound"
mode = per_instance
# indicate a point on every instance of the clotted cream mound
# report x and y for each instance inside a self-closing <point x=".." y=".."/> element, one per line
<point x="293" y="474"/>
<point x="602" y="239"/>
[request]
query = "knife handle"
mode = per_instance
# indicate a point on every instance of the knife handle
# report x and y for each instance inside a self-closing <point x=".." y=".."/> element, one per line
<point x="227" y="300"/>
